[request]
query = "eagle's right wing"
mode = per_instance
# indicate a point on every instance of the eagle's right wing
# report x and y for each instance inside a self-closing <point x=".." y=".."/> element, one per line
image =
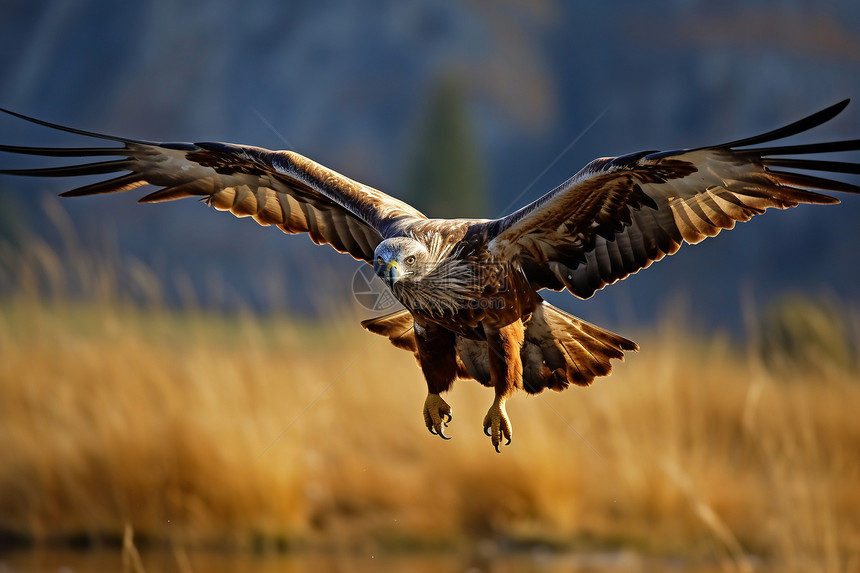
<point x="280" y="188"/>
<point x="618" y="215"/>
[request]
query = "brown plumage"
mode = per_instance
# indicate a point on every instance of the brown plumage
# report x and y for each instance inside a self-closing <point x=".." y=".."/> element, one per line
<point x="470" y="287"/>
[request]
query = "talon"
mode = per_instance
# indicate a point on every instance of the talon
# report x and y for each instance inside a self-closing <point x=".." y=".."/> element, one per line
<point x="450" y="417"/>
<point x="497" y="425"/>
<point x="435" y="412"/>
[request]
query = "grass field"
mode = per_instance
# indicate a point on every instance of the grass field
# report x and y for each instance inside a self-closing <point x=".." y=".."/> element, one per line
<point x="202" y="429"/>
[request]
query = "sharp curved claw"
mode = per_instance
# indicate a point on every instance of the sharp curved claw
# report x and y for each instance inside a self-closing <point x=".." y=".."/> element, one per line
<point x="498" y="451"/>
<point x="487" y="432"/>
<point x="508" y="443"/>
<point x="436" y="410"/>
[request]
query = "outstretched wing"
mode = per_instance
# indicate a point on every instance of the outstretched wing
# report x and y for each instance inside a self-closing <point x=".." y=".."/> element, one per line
<point x="280" y="188"/>
<point x="618" y="215"/>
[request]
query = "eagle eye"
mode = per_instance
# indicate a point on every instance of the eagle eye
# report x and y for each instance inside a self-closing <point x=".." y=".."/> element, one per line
<point x="379" y="261"/>
<point x="410" y="260"/>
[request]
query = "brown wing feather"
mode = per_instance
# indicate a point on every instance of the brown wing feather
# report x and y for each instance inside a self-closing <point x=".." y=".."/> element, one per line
<point x="619" y="215"/>
<point x="280" y="188"/>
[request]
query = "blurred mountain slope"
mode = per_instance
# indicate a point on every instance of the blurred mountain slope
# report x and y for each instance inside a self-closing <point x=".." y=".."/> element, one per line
<point x="349" y="84"/>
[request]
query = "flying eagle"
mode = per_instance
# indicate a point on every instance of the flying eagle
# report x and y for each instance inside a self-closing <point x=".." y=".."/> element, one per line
<point x="470" y="286"/>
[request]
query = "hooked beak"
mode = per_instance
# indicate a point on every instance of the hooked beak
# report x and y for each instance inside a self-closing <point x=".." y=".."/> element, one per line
<point x="392" y="273"/>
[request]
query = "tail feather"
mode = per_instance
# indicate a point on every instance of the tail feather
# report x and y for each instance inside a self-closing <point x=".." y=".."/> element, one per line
<point x="559" y="349"/>
<point x="572" y="351"/>
<point x="397" y="326"/>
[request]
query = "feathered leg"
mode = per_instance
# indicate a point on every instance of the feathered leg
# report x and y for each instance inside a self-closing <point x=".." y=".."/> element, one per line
<point x="438" y="357"/>
<point x="506" y="375"/>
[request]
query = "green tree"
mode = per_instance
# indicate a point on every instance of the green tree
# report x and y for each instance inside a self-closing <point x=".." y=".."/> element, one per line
<point x="445" y="175"/>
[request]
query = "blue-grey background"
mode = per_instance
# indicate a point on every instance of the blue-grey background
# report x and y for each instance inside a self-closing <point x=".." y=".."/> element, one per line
<point x="530" y="90"/>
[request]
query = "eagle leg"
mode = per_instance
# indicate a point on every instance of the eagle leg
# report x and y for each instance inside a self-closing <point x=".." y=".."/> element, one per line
<point x="506" y="375"/>
<point x="497" y="423"/>
<point x="435" y="411"/>
<point x="438" y="358"/>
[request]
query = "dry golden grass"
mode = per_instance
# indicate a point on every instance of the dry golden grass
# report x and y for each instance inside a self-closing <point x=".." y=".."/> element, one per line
<point x="201" y="428"/>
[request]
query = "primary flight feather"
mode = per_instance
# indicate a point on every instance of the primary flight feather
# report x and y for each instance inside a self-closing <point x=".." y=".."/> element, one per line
<point x="470" y="287"/>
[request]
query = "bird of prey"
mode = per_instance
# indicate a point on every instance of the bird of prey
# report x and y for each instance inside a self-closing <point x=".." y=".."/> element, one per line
<point x="470" y="287"/>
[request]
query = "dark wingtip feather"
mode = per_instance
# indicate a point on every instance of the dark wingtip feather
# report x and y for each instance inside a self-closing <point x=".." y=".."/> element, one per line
<point x="115" y="185"/>
<point x="73" y="170"/>
<point x="806" y="181"/>
<point x="808" y="148"/>
<point x="64" y="151"/>
<point x="794" y="128"/>
<point x="814" y="165"/>
<point x="70" y="129"/>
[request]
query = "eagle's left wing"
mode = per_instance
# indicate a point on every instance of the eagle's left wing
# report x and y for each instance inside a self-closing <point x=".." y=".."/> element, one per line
<point x="280" y="188"/>
<point x="618" y="215"/>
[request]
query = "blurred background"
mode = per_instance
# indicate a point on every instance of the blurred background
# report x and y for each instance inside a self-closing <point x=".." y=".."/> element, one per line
<point x="464" y="109"/>
<point x="165" y="383"/>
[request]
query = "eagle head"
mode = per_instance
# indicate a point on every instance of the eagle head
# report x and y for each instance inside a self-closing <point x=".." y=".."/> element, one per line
<point x="401" y="259"/>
